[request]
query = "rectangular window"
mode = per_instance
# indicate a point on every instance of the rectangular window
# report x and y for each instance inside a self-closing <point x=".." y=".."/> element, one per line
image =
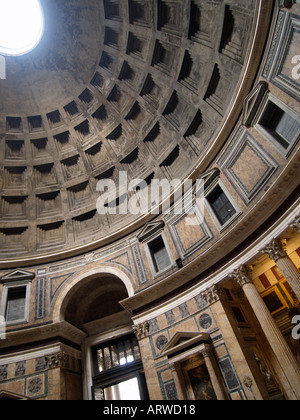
<point x="16" y="302"/>
<point x="280" y="125"/>
<point x="159" y="254"/>
<point x="117" y="353"/>
<point x="221" y="205"/>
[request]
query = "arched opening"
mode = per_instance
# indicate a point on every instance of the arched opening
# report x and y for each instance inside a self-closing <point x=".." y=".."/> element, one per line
<point x="94" y="300"/>
<point x="111" y="359"/>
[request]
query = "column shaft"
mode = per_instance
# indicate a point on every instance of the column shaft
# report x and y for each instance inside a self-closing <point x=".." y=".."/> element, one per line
<point x="215" y="375"/>
<point x="275" y="338"/>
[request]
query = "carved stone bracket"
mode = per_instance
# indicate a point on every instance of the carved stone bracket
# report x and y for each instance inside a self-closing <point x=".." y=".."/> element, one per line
<point x="141" y="330"/>
<point x="213" y="294"/>
<point x="56" y="360"/>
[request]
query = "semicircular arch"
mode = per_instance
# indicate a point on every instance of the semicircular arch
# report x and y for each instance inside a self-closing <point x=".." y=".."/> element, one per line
<point x="79" y="279"/>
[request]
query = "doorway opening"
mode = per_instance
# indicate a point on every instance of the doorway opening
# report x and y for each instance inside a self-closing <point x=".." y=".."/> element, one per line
<point x="118" y="371"/>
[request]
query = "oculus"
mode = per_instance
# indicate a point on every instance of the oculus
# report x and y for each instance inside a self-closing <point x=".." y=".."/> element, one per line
<point x="21" y="26"/>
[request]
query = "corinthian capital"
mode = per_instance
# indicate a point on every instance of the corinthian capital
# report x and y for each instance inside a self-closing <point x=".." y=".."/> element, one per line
<point x="242" y="275"/>
<point x="213" y="294"/>
<point x="296" y="224"/>
<point x="275" y="250"/>
<point x="141" y="330"/>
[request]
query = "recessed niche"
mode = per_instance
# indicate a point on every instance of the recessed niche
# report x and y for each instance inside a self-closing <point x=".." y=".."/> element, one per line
<point x="45" y="175"/>
<point x="14" y="149"/>
<point x="169" y="16"/>
<point x="189" y="74"/>
<point x="175" y="111"/>
<point x="214" y="95"/>
<point x="85" y="224"/>
<point x="40" y="148"/>
<point x="111" y="37"/>
<point x="79" y="195"/>
<point x="14" y="124"/>
<point x="193" y="134"/>
<point x="136" y="46"/>
<point x="117" y="99"/>
<point x="48" y="204"/>
<point x="83" y="129"/>
<point x="132" y="157"/>
<point x="15" y="177"/>
<point x="35" y="123"/>
<point x="173" y="165"/>
<point x="135" y="117"/>
<point x="50" y="235"/>
<point x="63" y="141"/>
<point x="154" y="133"/>
<point x="72" y="109"/>
<point x="127" y="73"/>
<point x="13" y="207"/>
<point x="163" y="57"/>
<point x="13" y="240"/>
<point x="201" y="25"/>
<point x="140" y="13"/>
<point x="112" y="9"/>
<point x="106" y="61"/>
<point x="107" y="174"/>
<point x="72" y="167"/>
<point x="173" y="156"/>
<point x="100" y="114"/>
<point x="116" y="133"/>
<point x="97" y="81"/>
<point x="235" y="27"/>
<point x="54" y="118"/>
<point x="151" y="92"/>
<point x="94" y="155"/>
<point x="86" y="96"/>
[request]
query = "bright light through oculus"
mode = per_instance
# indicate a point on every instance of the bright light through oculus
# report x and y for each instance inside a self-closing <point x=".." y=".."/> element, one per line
<point x="21" y="26"/>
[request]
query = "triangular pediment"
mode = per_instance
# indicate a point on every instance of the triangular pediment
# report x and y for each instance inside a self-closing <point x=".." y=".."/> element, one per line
<point x="253" y="101"/>
<point x="17" y="275"/>
<point x="181" y="340"/>
<point x="150" y="229"/>
<point x="209" y="176"/>
<point x="7" y="395"/>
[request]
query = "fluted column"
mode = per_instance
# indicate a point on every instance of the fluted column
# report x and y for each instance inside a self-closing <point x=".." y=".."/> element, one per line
<point x="214" y="373"/>
<point x="278" y="344"/>
<point x="276" y="250"/>
<point x="142" y="334"/>
<point x="244" y="364"/>
<point x="179" y="381"/>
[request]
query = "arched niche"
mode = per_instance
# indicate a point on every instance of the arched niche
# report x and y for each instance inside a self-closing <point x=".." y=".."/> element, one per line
<point x="90" y="297"/>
